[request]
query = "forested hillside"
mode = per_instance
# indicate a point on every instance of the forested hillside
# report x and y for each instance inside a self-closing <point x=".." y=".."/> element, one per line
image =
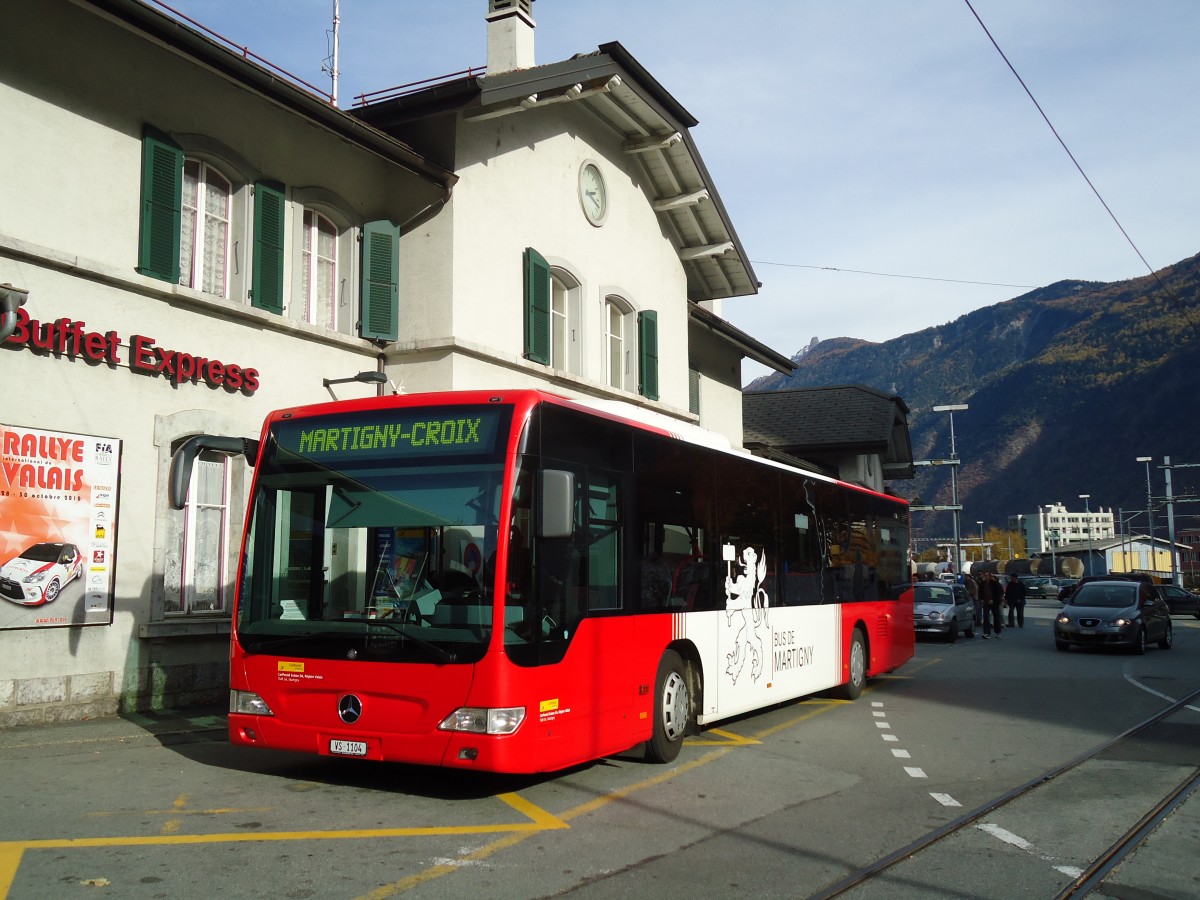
<point x="1067" y="385"/>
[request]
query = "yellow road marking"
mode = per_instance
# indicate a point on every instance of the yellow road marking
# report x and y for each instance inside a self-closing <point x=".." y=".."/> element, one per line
<point x="539" y="820"/>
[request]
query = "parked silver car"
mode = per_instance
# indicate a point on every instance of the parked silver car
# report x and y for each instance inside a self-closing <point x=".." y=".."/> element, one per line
<point x="943" y="609"/>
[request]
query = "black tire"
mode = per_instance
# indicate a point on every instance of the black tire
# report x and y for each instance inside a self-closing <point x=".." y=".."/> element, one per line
<point x="672" y="709"/>
<point x="952" y="634"/>
<point x="853" y="688"/>
<point x="1139" y="642"/>
<point x="1167" y="639"/>
<point x="1063" y="645"/>
<point x="969" y="631"/>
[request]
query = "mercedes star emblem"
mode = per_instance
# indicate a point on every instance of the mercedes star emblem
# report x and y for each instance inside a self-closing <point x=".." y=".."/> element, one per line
<point x="349" y="709"/>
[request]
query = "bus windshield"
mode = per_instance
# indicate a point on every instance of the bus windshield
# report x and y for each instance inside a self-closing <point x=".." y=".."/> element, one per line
<point x="371" y="534"/>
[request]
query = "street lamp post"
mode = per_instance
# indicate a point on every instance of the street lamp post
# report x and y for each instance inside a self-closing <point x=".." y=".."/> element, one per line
<point x="952" y="408"/>
<point x="1170" y="520"/>
<point x="979" y="522"/>
<point x="1149" y="510"/>
<point x="1087" y="523"/>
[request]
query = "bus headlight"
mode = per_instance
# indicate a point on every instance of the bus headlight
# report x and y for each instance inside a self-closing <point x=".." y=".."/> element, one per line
<point x="484" y="721"/>
<point x="248" y="703"/>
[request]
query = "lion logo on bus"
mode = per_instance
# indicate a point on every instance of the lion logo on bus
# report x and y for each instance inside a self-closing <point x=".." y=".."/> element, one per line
<point x="746" y="600"/>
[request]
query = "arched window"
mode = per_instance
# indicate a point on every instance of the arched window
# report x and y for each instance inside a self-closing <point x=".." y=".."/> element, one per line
<point x="204" y="228"/>
<point x="319" y="269"/>
<point x="617" y="332"/>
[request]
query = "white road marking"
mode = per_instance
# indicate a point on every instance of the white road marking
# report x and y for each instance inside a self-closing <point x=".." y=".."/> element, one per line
<point x="877" y="703"/>
<point x="1005" y="835"/>
<point x="889" y="737"/>
<point x="879" y="715"/>
<point x="1148" y="690"/>
<point x="1019" y="842"/>
<point x="901" y="754"/>
<point x="945" y="799"/>
<point x="915" y="772"/>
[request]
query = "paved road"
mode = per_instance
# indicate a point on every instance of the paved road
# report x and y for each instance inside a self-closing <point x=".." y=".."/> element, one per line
<point x="779" y="804"/>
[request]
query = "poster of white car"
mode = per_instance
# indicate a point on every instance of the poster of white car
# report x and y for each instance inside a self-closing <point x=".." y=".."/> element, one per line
<point x="40" y="573"/>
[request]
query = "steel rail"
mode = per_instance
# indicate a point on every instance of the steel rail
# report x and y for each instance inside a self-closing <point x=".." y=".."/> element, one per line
<point x="884" y="863"/>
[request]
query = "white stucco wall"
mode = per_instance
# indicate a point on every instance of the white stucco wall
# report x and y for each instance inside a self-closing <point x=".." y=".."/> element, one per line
<point x="518" y="188"/>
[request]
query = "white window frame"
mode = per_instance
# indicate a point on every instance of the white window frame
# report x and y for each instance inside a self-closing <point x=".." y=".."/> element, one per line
<point x="565" y="321"/>
<point x="191" y="254"/>
<point x="187" y="567"/>
<point x="311" y="222"/>
<point x="616" y="342"/>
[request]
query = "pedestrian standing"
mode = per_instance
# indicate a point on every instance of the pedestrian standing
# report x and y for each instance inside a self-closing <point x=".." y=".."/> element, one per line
<point x="991" y="595"/>
<point x="1014" y="598"/>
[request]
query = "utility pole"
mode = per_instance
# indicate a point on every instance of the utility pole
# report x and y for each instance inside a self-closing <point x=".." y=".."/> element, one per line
<point x="952" y="408"/>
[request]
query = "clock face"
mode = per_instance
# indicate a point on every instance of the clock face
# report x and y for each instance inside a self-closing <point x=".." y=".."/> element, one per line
<point x="593" y="195"/>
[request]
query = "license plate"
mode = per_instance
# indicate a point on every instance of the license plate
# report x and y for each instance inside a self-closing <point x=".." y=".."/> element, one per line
<point x="348" y="748"/>
<point x="1087" y="630"/>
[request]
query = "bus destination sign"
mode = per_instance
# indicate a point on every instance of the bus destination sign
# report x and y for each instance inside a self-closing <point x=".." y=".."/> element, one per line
<point x="451" y="431"/>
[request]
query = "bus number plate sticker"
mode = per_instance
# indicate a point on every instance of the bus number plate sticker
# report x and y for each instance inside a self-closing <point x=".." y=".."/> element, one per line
<point x="348" y="748"/>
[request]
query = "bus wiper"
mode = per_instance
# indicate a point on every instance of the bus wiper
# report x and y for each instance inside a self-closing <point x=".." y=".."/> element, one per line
<point x="275" y="642"/>
<point x="400" y="629"/>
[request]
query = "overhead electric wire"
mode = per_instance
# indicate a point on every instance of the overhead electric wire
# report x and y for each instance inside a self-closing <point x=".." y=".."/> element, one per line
<point x="1063" y="144"/>
<point x="760" y="262"/>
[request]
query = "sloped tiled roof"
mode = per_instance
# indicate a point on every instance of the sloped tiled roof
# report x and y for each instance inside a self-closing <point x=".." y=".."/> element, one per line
<point x="824" y="421"/>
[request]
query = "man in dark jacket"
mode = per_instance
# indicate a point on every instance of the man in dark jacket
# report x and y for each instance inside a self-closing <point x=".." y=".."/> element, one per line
<point x="991" y="595"/>
<point x="1014" y="597"/>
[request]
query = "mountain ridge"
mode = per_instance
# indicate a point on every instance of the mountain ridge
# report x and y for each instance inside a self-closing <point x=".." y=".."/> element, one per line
<point x="1066" y="385"/>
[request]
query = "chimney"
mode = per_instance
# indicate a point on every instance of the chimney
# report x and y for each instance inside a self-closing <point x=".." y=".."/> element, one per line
<point x="509" y="35"/>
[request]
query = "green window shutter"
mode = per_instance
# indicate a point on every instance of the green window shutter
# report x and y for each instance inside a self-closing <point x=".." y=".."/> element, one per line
<point x="693" y="392"/>
<point x="162" y="205"/>
<point x="380" y="313"/>
<point x="648" y="354"/>
<point x="266" y="289"/>
<point x="537" y="307"/>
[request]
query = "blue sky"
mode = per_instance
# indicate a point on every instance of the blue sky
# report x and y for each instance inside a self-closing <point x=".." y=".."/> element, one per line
<point x="883" y="136"/>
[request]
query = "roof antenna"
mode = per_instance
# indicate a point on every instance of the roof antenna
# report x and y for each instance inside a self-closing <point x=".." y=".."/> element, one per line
<point x="330" y="64"/>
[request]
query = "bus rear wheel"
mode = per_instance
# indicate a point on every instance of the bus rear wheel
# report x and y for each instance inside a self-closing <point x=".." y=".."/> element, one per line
<point x="672" y="709"/>
<point x="853" y="688"/>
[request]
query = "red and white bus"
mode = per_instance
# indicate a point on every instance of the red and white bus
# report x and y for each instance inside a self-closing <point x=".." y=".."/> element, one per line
<point x="516" y="582"/>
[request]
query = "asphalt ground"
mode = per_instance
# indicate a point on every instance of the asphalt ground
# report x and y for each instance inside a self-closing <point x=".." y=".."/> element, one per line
<point x="1165" y="866"/>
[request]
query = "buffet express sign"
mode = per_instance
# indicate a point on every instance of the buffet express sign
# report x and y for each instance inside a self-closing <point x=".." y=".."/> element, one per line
<point x="67" y="337"/>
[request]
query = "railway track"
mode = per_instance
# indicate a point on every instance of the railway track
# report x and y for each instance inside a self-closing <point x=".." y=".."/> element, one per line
<point x="1078" y="812"/>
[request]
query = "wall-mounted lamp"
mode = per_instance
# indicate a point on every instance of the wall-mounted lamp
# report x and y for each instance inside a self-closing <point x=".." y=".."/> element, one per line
<point x="11" y="299"/>
<point x="369" y="377"/>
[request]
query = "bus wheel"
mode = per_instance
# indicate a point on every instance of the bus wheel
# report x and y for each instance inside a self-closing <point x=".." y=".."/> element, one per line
<point x="672" y="708"/>
<point x="853" y="688"/>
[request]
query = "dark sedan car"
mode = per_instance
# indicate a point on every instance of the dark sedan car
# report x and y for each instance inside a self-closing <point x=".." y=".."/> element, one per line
<point x="1179" y="601"/>
<point x="1114" y="614"/>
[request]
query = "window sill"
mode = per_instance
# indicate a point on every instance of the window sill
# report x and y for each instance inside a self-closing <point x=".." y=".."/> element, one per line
<point x="188" y="628"/>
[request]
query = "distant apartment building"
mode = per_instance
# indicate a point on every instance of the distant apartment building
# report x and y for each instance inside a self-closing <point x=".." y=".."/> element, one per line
<point x="1054" y="526"/>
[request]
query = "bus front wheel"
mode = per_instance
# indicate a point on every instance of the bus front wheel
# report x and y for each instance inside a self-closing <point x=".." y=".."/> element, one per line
<point x="672" y="709"/>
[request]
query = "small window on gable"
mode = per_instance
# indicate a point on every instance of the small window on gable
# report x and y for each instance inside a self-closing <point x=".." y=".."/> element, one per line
<point x="618" y="328"/>
<point x="553" y="314"/>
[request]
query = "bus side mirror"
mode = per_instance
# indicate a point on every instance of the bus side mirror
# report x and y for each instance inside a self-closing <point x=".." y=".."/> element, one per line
<point x="185" y="457"/>
<point x="557" y="513"/>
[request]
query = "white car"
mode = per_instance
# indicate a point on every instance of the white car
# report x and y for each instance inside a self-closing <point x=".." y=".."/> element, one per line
<point x="944" y="609"/>
<point x="40" y="573"/>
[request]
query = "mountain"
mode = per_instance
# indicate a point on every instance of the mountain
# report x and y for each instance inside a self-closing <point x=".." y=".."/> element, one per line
<point x="1067" y="385"/>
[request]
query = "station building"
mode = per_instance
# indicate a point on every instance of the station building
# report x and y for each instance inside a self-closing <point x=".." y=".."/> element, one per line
<point x="190" y="239"/>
